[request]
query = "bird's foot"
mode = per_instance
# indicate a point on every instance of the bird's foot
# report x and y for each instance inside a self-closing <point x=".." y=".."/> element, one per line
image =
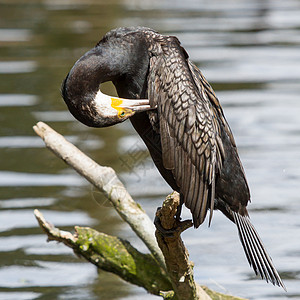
<point x="173" y="228"/>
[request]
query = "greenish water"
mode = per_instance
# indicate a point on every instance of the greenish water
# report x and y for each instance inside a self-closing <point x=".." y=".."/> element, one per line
<point x="248" y="50"/>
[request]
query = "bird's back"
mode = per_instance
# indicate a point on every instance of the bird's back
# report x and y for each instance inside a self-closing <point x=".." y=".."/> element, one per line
<point x="198" y="147"/>
<point x="196" y="141"/>
<point x="231" y="184"/>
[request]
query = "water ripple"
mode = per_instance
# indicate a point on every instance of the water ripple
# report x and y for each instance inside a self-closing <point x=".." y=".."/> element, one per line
<point x="29" y="179"/>
<point x="48" y="274"/>
<point x="26" y="202"/>
<point x="21" y="142"/>
<point x="29" y="142"/>
<point x="24" y="218"/>
<point x="15" y="35"/>
<point x="54" y="116"/>
<point x="17" y="100"/>
<point x="15" y="67"/>
<point x="19" y="296"/>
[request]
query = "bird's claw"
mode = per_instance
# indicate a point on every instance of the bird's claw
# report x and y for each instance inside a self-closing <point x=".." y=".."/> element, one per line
<point x="177" y="229"/>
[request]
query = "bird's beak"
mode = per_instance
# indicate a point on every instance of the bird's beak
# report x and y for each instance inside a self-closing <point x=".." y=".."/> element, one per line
<point x="136" y="105"/>
<point x="124" y="108"/>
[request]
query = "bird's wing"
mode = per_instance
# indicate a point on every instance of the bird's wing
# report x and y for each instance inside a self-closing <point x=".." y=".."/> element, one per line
<point x="255" y="251"/>
<point x="233" y="168"/>
<point x="189" y="129"/>
<point x="204" y="86"/>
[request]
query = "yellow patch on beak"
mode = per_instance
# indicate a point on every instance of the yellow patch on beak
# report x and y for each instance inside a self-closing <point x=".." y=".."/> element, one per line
<point x="116" y="103"/>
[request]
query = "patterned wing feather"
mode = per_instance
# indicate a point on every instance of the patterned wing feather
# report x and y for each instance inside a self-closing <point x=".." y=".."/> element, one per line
<point x="191" y="146"/>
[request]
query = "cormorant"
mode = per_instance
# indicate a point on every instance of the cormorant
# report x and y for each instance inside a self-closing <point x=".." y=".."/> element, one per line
<point x="177" y="114"/>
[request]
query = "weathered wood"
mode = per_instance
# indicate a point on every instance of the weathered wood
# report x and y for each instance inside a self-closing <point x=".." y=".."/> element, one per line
<point x="176" y="255"/>
<point x="219" y="296"/>
<point x="112" y="254"/>
<point x="116" y="255"/>
<point x="106" y="180"/>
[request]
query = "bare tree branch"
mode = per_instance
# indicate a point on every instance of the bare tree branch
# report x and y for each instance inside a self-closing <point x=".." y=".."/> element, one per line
<point x="176" y="255"/>
<point x="106" y="180"/>
<point x="118" y="256"/>
<point x="112" y="254"/>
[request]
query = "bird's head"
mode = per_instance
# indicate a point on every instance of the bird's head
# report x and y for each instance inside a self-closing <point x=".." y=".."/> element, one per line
<point x="121" y="57"/>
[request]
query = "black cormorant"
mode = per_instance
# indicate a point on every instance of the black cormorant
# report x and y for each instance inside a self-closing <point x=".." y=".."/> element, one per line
<point x="177" y="114"/>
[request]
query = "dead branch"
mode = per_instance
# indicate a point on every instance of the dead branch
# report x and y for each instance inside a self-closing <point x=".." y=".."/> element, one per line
<point x="106" y="180"/>
<point x="112" y="254"/>
<point x="116" y="255"/>
<point x="176" y="255"/>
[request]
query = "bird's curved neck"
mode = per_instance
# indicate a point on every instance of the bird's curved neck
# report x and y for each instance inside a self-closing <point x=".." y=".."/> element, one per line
<point x="123" y="63"/>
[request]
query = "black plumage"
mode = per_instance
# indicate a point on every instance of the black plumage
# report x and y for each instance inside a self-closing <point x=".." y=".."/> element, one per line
<point x="186" y="133"/>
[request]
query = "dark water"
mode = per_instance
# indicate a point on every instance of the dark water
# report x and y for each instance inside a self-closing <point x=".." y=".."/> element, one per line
<point x="248" y="50"/>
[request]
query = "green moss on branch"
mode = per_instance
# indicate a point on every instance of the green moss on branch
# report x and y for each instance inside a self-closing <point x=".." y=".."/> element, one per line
<point x="110" y="253"/>
<point x="118" y="256"/>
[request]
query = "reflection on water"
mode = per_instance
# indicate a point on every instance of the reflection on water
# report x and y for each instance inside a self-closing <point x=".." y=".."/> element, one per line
<point x="17" y="100"/>
<point x="248" y="50"/>
<point x="15" y="35"/>
<point x="14" y="67"/>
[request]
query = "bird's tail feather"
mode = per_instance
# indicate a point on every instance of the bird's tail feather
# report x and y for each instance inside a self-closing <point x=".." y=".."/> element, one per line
<point x="255" y="251"/>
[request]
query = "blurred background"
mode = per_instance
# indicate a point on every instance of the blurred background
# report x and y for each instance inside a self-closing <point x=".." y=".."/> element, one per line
<point x="248" y="50"/>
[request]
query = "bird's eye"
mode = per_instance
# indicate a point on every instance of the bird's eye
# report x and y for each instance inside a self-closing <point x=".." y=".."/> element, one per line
<point x="122" y="114"/>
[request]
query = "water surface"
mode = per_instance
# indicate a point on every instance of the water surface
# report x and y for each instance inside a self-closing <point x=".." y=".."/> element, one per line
<point x="250" y="53"/>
